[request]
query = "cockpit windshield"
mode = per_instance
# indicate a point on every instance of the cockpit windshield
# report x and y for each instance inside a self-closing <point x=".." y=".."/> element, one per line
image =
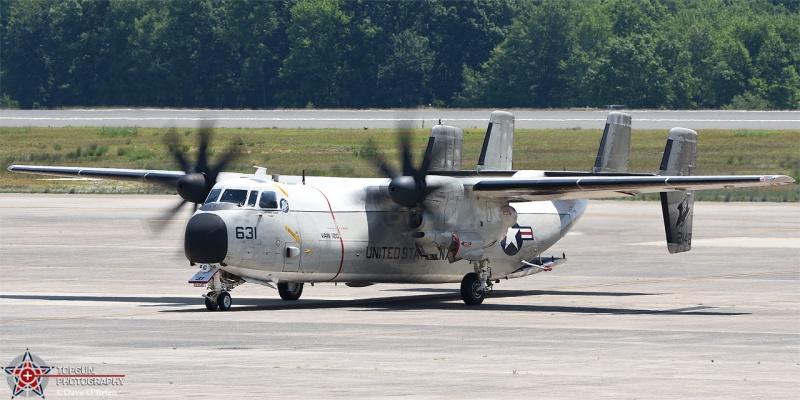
<point x="251" y="201"/>
<point x="213" y="196"/>
<point x="235" y="196"/>
<point x="241" y="197"/>
<point x="268" y="200"/>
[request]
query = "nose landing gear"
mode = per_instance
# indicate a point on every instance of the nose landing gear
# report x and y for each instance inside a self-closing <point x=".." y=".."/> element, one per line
<point x="218" y="300"/>
<point x="219" y="284"/>
<point x="221" y="301"/>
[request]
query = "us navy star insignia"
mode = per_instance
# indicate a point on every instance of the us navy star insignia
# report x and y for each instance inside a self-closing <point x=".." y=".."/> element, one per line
<point x="515" y="235"/>
<point x="511" y="238"/>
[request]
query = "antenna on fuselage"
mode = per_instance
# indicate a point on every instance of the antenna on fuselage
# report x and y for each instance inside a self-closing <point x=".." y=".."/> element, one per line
<point x="261" y="172"/>
<point x="304" y="177"/>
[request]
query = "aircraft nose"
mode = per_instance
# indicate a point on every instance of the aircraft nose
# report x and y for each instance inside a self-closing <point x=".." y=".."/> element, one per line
<point x="206" y="239"/>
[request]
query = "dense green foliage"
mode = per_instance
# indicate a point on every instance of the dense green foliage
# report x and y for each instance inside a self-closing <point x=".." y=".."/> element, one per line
<point x="337" y="53"/>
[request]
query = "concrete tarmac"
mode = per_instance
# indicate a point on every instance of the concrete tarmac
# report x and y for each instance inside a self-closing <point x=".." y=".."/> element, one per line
<point x="88" y="285"/>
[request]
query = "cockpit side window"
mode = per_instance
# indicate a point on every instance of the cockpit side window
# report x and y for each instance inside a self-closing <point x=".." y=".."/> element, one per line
<point x="235" y="196"/>
<point x="213" y="195"/>
<point x="268" y="200"/>
<point x="251" y="201"/>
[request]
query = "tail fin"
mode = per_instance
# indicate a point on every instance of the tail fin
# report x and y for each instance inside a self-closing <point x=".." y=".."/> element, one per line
<point x="497" y="151"/>
<point x="444" y="146"/>
<point x="680" y="158"/>
<point x="615" y="147"/>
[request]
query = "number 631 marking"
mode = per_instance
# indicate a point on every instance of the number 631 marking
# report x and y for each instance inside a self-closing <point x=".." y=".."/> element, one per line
<point x="246" y="232"/>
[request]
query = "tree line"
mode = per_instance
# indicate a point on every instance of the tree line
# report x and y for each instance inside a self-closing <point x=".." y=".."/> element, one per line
<point x="672" y="54"/>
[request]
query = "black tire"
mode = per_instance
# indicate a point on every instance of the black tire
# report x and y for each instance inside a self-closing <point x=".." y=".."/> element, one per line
<point x="470" y="290"/>
<point x="224" y="301"/>
<point x="290" y="295"/>
<point x="211" y="305"/>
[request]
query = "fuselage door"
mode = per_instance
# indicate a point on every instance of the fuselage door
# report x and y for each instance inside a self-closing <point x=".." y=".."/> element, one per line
<point x="271" y="242"/>
<point x="310" y="241"/>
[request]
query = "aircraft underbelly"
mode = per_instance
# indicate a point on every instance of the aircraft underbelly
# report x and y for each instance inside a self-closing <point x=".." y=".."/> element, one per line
<point x="423" y="272"/>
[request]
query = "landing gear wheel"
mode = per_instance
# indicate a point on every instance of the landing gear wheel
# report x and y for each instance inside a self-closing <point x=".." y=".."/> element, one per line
<point x="471" y="291"/>
<point x="224" y="301"/>
<point x="290" y="291"/>
<point x="211" y="305"/>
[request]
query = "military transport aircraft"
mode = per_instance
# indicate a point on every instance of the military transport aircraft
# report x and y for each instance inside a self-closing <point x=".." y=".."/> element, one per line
<point x="432" y="223"/>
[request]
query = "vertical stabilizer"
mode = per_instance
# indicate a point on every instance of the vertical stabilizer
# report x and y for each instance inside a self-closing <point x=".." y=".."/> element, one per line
<point x="445" y="146"/>
<point x="680" y="158"/>
<point x="497" y="151"/>
<point x="615" y="147"/>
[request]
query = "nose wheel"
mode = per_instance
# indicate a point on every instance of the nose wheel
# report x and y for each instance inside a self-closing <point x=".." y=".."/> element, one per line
<point x="211" y="301"/>
<point x="221" y="301"/>
<point x="224" y="301"/>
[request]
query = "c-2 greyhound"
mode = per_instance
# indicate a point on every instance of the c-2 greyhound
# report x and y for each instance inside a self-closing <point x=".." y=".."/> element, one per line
<point x="435" y="223"/>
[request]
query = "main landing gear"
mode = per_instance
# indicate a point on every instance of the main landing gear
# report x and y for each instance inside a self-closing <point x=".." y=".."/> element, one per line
<point x="476" y="284"/>
<point x="290" y="291"/>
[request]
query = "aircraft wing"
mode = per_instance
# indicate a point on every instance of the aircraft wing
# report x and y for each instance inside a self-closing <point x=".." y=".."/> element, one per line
<point x="134" y="175"/>
<point x="588" y="187"/>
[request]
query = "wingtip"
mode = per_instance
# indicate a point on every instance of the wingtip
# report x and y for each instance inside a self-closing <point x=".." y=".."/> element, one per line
<point x="777" y="179"/>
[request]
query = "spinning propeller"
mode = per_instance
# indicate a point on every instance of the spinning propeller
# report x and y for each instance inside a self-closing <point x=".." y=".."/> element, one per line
<point x="200" y="177"/>
<point x="409" y="188"/>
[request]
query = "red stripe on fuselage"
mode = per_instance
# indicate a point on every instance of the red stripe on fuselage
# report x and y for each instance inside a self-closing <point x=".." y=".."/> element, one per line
<point x="336" y="225"/>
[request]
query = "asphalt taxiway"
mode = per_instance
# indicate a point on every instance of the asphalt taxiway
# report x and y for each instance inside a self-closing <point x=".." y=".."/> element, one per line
<point x="87" y="283"/>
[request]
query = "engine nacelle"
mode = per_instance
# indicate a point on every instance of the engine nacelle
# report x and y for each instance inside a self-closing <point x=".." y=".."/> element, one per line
<point x="466" y="246"/>
<point x="432" y="229"/>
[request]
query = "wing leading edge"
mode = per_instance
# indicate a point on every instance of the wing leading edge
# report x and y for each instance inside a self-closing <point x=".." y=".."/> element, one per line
<point x="610" y="177"/>
<point x="593" y="187"/>
<point x="164" y="177"/>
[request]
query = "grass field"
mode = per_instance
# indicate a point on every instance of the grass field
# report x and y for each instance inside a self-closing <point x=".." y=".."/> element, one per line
<point x="345" y="153"/>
